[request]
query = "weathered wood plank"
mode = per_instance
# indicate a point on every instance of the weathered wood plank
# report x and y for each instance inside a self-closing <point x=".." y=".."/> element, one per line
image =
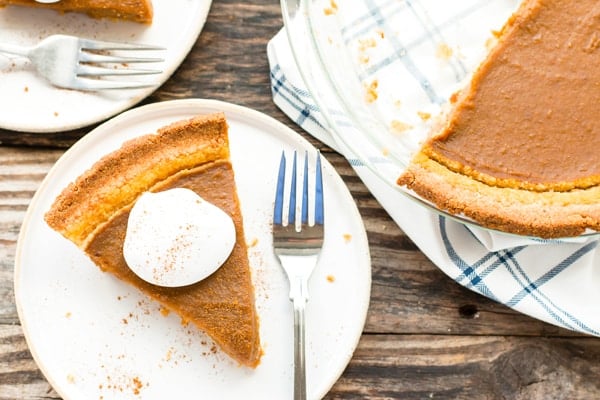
<point x="19" y="375"/>
<point x="471" y="367"/>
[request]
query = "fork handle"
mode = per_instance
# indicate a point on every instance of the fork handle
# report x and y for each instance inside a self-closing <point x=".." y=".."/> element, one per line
<point x="299" y="350"/>
<point x="13" y="49"/>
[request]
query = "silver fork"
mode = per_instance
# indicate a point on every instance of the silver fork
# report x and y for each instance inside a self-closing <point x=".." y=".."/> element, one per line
<point x="298" y="251"/>
<point x="77" y="63"/>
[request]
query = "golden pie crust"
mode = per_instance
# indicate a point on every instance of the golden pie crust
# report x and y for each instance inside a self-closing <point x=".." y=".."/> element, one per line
<point x="93" y="211"/>
<point x="130" y="10"/>
<point x="518" y="151"/>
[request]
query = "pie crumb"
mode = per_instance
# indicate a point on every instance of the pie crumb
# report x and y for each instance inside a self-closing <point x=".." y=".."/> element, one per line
<point x="443" y="51"/>
<point x="399" y="126"/>
<point x="332" y="9"/>
<point x="137" y="385"/>
<point x="371" y="91"/>
<point x="425" y="116"/>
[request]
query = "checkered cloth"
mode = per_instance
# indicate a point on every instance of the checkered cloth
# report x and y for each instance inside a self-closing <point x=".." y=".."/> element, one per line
<point x="553" y="280"/>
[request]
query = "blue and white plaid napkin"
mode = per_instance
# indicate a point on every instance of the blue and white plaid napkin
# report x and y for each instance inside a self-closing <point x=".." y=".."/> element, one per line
<point x="552" y="280"/>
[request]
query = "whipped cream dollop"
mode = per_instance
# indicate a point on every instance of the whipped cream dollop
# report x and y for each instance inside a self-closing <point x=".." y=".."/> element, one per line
<point x="176" y="238"/>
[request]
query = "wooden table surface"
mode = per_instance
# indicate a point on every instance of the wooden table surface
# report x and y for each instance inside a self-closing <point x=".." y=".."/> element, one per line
<point x="425" y="337"/>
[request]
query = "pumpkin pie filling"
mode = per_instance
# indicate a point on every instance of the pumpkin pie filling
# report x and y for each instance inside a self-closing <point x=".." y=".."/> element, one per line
<point x="525" y="133"/>
<point x="93" y="212"/>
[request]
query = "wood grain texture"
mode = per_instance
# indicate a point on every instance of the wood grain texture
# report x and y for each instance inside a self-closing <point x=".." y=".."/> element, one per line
<point x="425" y="337"/>
<point x="470" y="367"/>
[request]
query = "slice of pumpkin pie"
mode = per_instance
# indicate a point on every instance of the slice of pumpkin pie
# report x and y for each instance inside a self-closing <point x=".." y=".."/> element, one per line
<point x="128" y="10"/>
<point x="520" y="149"/>
<point x="93" y="213"/>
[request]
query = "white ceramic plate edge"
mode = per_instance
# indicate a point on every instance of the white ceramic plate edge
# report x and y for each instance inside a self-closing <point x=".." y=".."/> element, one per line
<point x="205" y="104"/>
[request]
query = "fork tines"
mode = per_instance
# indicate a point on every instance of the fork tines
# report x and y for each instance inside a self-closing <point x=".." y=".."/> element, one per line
<point x="279" y="196"/>
<point x="94" y="53"/>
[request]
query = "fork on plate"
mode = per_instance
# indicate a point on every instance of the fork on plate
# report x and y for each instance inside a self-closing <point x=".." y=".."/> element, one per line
<point x="77" y="63"/>
<point x="297" y="247"/>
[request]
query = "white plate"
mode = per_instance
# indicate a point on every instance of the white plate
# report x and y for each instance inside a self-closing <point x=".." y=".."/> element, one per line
<point x="95" y="337"/>
<point x="29" y="103"/>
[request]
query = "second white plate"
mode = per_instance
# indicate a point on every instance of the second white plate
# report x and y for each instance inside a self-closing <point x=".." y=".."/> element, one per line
<point x="29" y="103"/>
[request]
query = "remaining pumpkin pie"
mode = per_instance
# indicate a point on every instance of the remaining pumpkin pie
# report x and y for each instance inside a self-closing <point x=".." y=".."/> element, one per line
<point x="520" y="148"/>
<point x="131" y="10"/>
<point x="93" y="212"/>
